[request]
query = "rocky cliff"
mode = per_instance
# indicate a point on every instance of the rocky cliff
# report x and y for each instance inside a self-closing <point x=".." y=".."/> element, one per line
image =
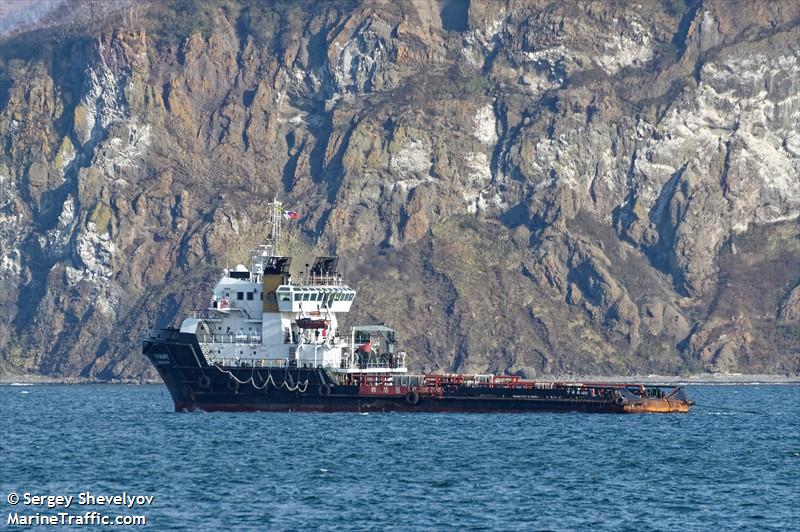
<point x="520" y="186"/>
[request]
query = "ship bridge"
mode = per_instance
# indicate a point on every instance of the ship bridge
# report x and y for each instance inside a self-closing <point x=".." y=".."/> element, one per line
<point x="296" y="298"/>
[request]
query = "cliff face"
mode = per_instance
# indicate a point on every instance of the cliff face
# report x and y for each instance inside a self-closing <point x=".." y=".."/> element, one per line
<point x="532" y="187"/>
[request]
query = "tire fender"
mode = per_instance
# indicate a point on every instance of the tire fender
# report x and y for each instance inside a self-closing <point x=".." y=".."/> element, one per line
<point x="412" y="397"/>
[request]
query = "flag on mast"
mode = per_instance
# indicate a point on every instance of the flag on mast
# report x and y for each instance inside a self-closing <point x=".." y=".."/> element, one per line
<point x="291" y="215"/>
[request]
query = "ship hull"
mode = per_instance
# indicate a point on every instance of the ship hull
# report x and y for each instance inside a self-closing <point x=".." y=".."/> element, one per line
<point x="197" y="386"/>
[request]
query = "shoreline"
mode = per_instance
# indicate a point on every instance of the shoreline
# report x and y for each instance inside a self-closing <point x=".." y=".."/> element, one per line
<point x="664" y="380"/>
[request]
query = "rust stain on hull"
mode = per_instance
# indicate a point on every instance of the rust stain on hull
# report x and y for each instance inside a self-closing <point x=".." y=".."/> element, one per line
<point x="658" y="406"/>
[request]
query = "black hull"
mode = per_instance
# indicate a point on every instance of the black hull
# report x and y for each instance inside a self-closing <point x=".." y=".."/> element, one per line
<point x="197" y="386"/>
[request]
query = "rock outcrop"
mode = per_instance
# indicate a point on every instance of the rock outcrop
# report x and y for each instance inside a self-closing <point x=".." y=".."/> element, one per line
<point x="529" y="187"/>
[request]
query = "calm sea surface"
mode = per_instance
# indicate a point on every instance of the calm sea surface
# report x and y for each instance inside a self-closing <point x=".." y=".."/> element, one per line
<point x="732" y="463"/>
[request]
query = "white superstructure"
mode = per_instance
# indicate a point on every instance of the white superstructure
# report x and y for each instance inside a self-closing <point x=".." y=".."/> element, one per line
<point x="259" y="316"/>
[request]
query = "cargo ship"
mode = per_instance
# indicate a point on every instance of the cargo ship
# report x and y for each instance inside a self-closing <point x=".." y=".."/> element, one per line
<point x="269" y="341"/>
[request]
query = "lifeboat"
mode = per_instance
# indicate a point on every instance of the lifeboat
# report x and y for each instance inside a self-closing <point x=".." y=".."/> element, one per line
<point x="308" y="323"/>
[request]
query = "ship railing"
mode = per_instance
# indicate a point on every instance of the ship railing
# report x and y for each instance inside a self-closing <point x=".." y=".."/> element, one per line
<point x="394" y="362"/>
<point x="217" y="312"/>
<point x="229" y="338"/>
<point x="321" y="280"/>
<point x="252" y="362"/>
<point x="296" y="339"/>
<point x="387" y="365"/>
<point x="356" y="365"/>
<point x="206" y="314"/>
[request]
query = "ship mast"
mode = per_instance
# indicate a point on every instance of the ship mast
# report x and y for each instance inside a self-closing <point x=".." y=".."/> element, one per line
<point x="275" y="222"/>
<point x="259" y="258"/>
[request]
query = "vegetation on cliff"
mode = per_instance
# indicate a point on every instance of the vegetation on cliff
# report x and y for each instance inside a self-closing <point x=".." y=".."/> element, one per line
<point x="534" y="187"/>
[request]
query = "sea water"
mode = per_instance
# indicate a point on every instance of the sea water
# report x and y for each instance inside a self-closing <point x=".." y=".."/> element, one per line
<point x="732" y="463"/>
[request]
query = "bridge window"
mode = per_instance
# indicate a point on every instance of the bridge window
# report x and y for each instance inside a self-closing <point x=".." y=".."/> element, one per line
<point x="249" y="296"/>
<point x="298" y="297"/>
<point x="239" y="295"/>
